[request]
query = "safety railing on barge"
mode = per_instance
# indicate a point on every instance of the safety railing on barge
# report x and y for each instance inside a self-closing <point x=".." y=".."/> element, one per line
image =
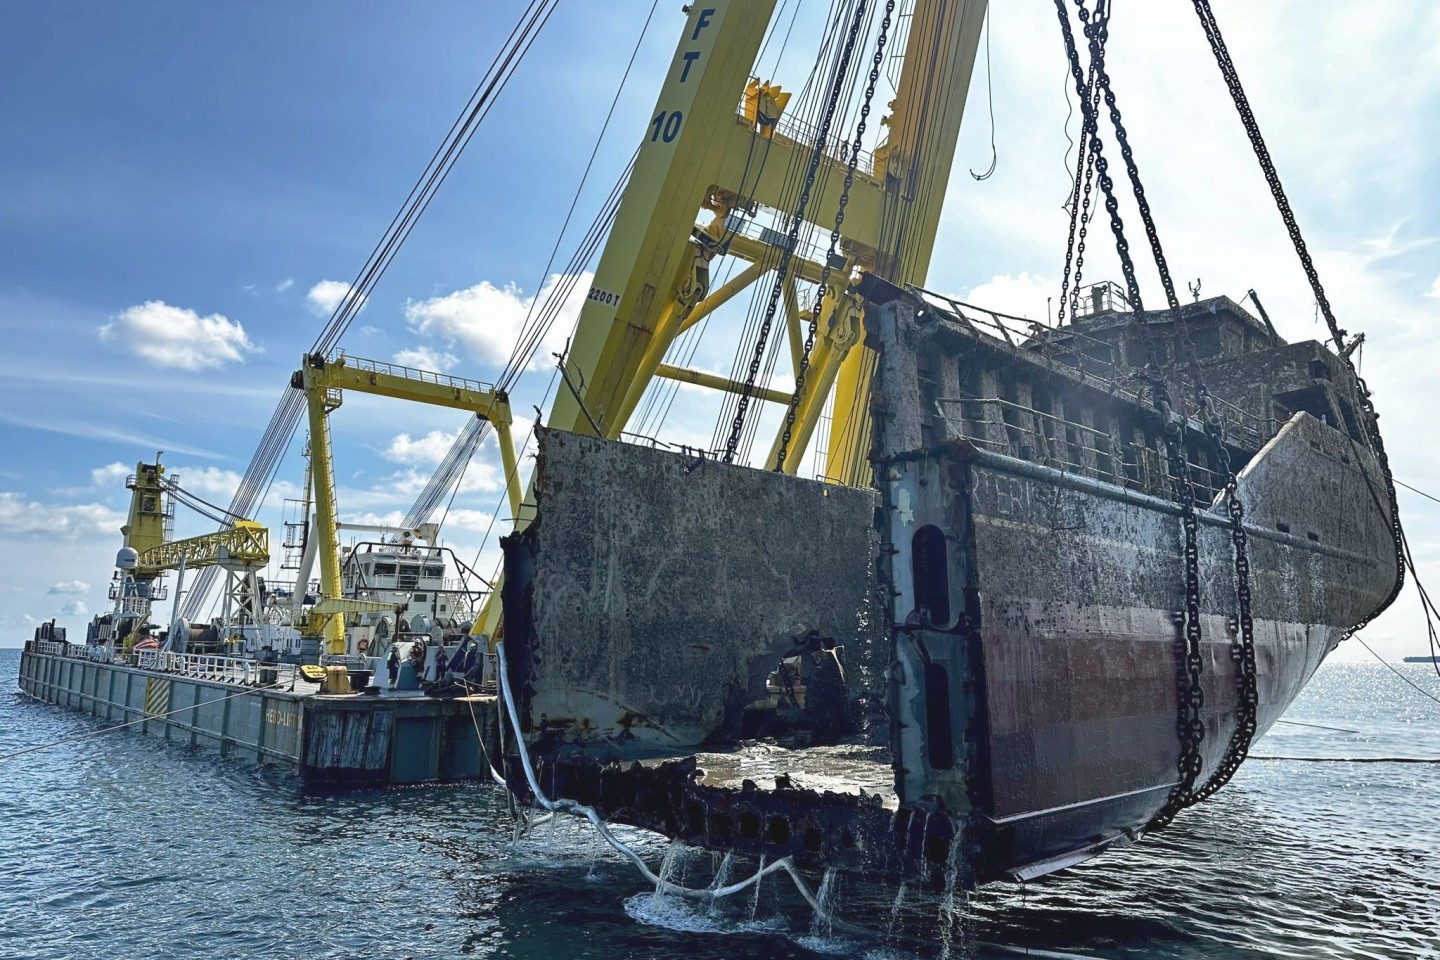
<point x="238" y="670"/>
<point x="208" y="667"/>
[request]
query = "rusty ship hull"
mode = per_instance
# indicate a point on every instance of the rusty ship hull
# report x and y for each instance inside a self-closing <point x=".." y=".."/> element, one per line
<point x="971" y="672"/>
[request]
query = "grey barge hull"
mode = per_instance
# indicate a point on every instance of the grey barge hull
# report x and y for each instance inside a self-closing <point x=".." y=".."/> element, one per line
<point x="326" y="739"/>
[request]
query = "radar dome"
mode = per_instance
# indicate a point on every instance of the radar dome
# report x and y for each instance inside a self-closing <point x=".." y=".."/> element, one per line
<point x="127" y="559"/>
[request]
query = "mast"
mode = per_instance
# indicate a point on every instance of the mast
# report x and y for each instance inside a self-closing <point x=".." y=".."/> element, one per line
<point x="653" y="279"/>
<point x="653" y="271"/>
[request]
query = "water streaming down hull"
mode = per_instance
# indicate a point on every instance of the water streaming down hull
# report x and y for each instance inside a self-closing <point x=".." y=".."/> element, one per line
<point x="686" y="631"/>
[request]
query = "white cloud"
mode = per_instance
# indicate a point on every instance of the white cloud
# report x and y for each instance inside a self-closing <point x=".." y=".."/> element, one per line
<point x="477" y="521"/>
<point x="426" y="358"/>
<point x="74" y="608"/>
<point x="69" y="522"/>
<point x="110" y="475"/>
<point x="488" y="319"/>
<point x="68" y="587"/>
<point x="1020" y="295"/>
<point x="170" y="336"/>
<point x="285" y="284"/>
<point x="326" y="295"/>
<point x="212" y="483"/>
<point x="1434" y="290"/>
<point x="429" y="449"/>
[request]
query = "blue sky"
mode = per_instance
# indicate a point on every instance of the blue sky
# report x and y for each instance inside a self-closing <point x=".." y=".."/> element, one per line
<point x="210" y="167"/>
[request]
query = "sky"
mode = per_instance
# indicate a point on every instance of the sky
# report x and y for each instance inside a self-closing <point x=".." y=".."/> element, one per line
<point x="189" y="189"/>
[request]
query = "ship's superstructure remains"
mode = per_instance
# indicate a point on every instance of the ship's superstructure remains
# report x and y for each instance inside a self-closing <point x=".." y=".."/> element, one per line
<point x="1034" y="556"/>
<point x="665" y="611"/>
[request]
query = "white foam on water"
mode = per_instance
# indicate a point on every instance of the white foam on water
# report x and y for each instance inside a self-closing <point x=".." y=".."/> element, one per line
<point x="689" y="916"/>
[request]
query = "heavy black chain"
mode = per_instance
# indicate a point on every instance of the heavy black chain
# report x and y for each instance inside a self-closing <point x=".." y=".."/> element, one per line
<point x="1079" y="214"/>
<point x="1085" y="215"/>
<point x="1190" y="694"/>
<point x="793" y="239"/>
<point x="1242" y="644"/>
<point x="1098" y="31"/>
<point x="1282" y="203"/>
<point x="1102" y="165"/>
<point x="831" y="252"/>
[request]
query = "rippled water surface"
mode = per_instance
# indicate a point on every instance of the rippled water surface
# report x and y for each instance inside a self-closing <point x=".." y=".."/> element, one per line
<point x="122" y="846"/>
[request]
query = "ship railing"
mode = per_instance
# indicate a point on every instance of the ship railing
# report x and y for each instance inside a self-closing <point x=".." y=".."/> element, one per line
<point x="50" y="648"/>
<point x="201" y="666"/>
<point x="1079" y="351"/>
<point x="1093" y="452"/>
<point x="95" y="652"/>
<point x="1093" y="357"/>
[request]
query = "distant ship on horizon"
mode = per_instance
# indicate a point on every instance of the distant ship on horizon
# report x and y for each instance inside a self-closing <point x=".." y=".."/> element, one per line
<point x="1425" y="659"/>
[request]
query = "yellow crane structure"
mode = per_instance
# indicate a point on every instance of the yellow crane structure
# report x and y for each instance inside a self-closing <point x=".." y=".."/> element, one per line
<point x="698" y="154"/>
<point x="324" y="382"/>
<point x="241" y="549"/>
<point x="246" y="545"/>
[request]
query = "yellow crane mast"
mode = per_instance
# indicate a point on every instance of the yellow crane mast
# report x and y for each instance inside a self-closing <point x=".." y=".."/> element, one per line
<point x="697" y="154"/>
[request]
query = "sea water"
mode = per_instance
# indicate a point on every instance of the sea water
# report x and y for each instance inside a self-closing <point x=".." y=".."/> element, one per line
<point x="117" y="846"/>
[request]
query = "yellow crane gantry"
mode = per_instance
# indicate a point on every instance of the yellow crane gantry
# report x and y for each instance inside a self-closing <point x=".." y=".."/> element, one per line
<point x="324" y="382"/>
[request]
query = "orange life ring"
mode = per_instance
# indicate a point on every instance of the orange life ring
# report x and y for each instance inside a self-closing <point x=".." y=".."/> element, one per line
<point x="363" y="644"/>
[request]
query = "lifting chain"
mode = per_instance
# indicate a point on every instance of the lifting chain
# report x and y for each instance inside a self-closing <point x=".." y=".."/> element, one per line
<point x="1102" y="165"/>
<point x="804" y="367"/>
<point x="1282" y="203"/>
<point x="1242" y="646"/>
<point x="1190" y="692"/>
<point x="1079" y="211"/>
<point x="797" y="218"/>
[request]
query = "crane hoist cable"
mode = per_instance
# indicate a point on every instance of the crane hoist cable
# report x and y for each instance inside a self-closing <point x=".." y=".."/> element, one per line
<point x="472" y="434"/>
<point x="796" y="218"/>
<point x="792" y="407"/>
<point x="539" y="316"/>
<point x="805" y="111"/>
<point x="286" y="417"/>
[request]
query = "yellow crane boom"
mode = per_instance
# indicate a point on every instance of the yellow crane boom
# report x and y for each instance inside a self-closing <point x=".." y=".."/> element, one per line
<point x="245" y="545"/>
